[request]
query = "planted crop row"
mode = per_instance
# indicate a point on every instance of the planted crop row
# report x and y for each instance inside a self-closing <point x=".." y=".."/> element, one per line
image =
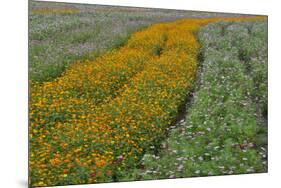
<point x="77" y="120"/>
<point x="94" y="123"/>
<point x="223" y="133"/>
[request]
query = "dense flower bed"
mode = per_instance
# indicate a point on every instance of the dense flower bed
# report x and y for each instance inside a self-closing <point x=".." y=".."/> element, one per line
<point x="96" y="120"/>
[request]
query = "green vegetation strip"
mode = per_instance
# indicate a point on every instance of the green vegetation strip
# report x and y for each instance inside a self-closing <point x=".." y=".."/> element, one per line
<point x="225" y="129"/>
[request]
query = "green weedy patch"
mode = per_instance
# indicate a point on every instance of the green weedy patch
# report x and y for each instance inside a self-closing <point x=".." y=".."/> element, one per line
<point x="225" y="131"/>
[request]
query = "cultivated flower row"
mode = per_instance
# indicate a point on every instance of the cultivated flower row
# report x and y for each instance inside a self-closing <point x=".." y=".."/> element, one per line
<point x="95" y="121"/>
<point x="225" y="130"/>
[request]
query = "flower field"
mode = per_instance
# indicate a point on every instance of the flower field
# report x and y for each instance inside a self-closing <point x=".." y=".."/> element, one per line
<point x="225" y="128"/>
<point x="100" y="116"/>
<point x="95" y="122"/>
<point x="62" y="33"/>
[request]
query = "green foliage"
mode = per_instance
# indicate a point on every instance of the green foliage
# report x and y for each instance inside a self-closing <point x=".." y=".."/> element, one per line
<point x="157" y="49"/>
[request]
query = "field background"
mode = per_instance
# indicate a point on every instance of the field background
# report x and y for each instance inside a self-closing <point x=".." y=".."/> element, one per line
<point x="75" y="32"/>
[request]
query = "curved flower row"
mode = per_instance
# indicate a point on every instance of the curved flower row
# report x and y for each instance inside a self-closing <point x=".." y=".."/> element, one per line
<point x="96" y="120"/>
<point x="225" y="129"/>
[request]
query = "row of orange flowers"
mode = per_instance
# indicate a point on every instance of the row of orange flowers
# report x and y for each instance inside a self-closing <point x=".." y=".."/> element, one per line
<point x="98" y="118"/>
